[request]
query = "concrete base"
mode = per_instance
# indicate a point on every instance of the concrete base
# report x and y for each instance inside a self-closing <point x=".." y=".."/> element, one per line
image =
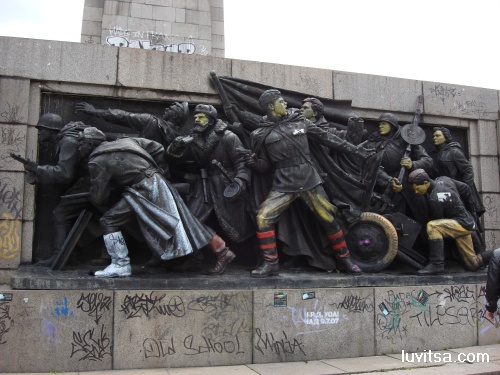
<point x="70" y="321"/>
<point x="33" y="277"/>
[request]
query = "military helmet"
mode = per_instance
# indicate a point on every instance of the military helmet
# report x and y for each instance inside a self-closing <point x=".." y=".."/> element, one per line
<point x="207" y="109"/>
<point x="50" y="121"/>
<point x="390" y="118"/>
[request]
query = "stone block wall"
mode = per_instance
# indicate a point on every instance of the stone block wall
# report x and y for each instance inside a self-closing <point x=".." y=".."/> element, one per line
<point x="181" y="26"/>
<point x="90" y="330"/>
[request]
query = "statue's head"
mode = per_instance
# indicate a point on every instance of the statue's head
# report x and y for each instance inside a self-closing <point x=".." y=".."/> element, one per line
<point x="48" y="126"/>
<point x="312" y="108"/>
<point x="177" y="113"/>
<point x="420" y="181"/>
<point x="273" y="103"/>
<point x="441" y="135"/>
<point x="387" y="123"/>
<point x="204" y="117"/>
<point x="50" y="121"/>
<point x="89" y="139"/>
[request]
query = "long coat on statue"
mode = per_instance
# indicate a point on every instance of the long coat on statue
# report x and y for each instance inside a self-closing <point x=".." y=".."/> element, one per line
<point x="219" y="144"/>
<point x="451" y="162"/>
<point x="133" y="164"/>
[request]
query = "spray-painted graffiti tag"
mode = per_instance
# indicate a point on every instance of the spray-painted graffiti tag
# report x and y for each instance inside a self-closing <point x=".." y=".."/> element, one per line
<point x="10" y="198"/>
<point x="143" y="305"/>
<point x="268" y="342"/>
<point x="460" y="105"/>
<point x="151" y="40"/>
<point x="10" y="237"/>
<point x="94" y="304"/>
<point x="92" y="346"/>
<point x="455" y="305"/>
<point x="443" y="93"/>
<point x="12" y="114"/>
<point x="62" y="309"/>
<point x="120" y="41"/>
<point x="6" y="322"/>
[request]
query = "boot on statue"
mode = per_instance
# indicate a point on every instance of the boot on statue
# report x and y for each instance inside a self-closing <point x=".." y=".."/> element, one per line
<point x="223" y="254"/>
<point x="118" y="251"/>
<point x="267" y="245"/>
<point x="436" y="259"/>
<point x="341" y="253"/>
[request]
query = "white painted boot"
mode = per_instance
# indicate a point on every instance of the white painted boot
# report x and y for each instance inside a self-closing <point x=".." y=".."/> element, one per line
<point x="120" y="262"/>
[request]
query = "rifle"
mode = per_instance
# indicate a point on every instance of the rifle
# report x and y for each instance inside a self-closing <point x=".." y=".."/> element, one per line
<point x="19" y="158"/>
<point x="233" y="190"/>
<point x="225" y="100"/>
<point x="29" y="167"/>
<point x="204" y="178"/>
<point x="412" y="134"/>
<point x="223" y="170"/>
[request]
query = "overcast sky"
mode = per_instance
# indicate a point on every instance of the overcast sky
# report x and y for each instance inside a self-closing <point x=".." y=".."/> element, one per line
<point x="447" y="41"/>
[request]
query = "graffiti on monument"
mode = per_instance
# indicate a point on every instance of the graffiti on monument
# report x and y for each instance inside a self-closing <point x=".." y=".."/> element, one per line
<point x="6" y="321"/>
<point x="492" y="239"/>
<point x="223" y="319"/>
<point x="491" y="206"/>
<point x="62" y="308"/>
<point x="443" y="93"/>
<point x="10" y="236"/>
<point x="277" y="344"/>
<point x="224" y="314"/>
<point x="49" y="331"/>
<point x="399" y="311"/>
<point x="94" y="304"/>
<point x="91" y="345"/>
<point x="137" y="306"/>
<point x="311" y="319"/>
<point x="12" y="140"/>
<point x="11" y="114"/>
<point x="10" y="199"/>
<point x="51" y="327"/>
<point x="317" y="315"/>
<point x="459" y="104"/>
<point x="151" y="40"/>
<point x="354" y="303"/>
<point x="87" y="343"/>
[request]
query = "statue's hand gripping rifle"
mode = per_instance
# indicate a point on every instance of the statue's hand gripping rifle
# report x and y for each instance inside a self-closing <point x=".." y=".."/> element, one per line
<point x="29" y="165"/>
<point x="412" y="134"/>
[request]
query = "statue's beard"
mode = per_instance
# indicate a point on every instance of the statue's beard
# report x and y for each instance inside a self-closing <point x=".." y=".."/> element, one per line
<point x="200" y="129"/>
